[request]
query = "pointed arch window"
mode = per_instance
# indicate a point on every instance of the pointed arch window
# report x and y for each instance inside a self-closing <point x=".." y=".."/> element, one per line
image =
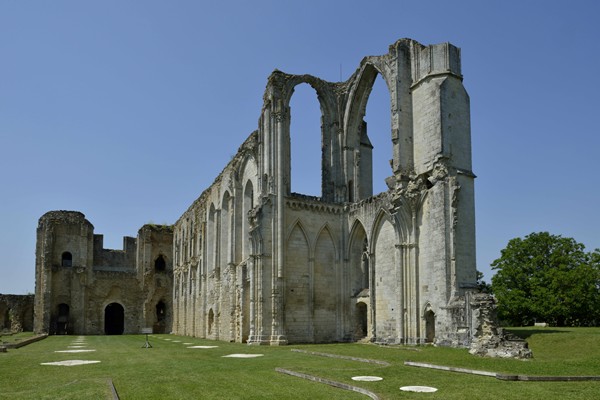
<point x="159" y="264"/>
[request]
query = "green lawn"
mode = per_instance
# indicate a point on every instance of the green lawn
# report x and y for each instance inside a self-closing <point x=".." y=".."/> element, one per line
<point x="170" y="370"/>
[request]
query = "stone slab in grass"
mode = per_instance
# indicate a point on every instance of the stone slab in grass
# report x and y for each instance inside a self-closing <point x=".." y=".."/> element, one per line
<point x="367" y="378"/>
<point x="202" y="347"/>
<point x="243" y="355"/>
<point x="70" y="363"/>
<point x="420" y="389"/>
<point x="74" y="351"/>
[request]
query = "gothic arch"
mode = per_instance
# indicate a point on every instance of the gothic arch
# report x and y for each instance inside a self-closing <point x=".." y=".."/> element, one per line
<point x="297" y="224"/>
<point x="212" y="238"/>
<point x="278" y="94"/>
<point x="359" y="156"/>
<point x="386" y="278"/>
<point x="248" y="203"/>
<point x="325" y="284"/>
<point x="327" y="230"/>
<point x="297" y="289"/>
<point x="358" y="259"/>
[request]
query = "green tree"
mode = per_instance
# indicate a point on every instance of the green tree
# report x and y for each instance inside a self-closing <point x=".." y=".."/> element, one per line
<point x="547" y="278"/>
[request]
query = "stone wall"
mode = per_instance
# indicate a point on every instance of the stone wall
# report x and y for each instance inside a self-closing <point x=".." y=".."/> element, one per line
<point x="83" y="288"/>
<point x="16" y="313"/>
<point x="250" y="261"/>
<point x="257" y="263"/>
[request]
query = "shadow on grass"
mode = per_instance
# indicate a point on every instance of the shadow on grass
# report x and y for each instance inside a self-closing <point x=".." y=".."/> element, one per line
<point x="524" y="333"/>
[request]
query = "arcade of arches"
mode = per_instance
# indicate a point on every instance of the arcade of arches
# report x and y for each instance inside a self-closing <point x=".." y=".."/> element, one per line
<point x="252" y="261"/>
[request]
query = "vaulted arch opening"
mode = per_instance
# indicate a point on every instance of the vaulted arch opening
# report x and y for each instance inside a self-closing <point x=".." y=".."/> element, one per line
<point x="369" y="136"/>
<point x="305" y="141"/>
<point x="378" y="119"/>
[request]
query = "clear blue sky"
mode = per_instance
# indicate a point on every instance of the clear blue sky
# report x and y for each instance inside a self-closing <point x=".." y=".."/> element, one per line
<point x="127" y="110"/>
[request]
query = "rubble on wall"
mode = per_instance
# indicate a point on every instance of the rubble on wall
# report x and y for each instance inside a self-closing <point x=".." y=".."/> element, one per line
<point x="489" y="339"/>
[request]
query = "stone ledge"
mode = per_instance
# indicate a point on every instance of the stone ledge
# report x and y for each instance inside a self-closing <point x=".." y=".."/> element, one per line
<point x="25" y="342"/>
<point x="365" y="360"/>
<point x="504" y="377"/>
<point x="339" y="385"/>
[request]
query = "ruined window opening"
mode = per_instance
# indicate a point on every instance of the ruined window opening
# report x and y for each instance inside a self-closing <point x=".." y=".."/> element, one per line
<point x="161" y="311"/>
<point x="378" y="120"/>
<point x="305" y="141"/>
<point x="67" y="259"/>
<point x="248" y="204"/>
<point x="365" y="264"/>
<point x="159" y="264"/>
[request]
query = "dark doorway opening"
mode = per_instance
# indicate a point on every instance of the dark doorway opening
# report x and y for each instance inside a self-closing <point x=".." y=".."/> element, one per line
<point x="361" y="321"/>
<point x="429" y="326"/>
<point x="159" y="264"/>
<point x="211" y="320"/>
<point x="114" y="319"/>
<point x="67" y="259"/>
<point x="62" y="321"/>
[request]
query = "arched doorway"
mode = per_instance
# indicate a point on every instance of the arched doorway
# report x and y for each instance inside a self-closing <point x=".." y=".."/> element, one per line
<point x="114" y="319"/>
<point x="361" y="321"/>
<point x="429" y="326"/>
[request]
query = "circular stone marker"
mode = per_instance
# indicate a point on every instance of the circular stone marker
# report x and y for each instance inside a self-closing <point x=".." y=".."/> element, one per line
<point x="70" y="363"/>
<point x="367" y="378"/>
<point x="243" y="355"/>
<point x="421" y="389"/>
<point x="202" y="347"/>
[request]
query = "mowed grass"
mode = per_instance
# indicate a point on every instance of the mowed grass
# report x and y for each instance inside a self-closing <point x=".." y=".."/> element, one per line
<point x="171" y="370"/>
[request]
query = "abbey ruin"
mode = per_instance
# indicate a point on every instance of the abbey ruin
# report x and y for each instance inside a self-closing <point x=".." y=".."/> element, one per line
<point x="250" y="261"/>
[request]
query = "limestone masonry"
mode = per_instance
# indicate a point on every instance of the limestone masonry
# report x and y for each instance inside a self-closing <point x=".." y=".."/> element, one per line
<point x="250" y="261"/>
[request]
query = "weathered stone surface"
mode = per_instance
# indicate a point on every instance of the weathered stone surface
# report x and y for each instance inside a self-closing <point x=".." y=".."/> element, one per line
<point x="82" y="288"/>
<point x="16" y="313"/>
<point x="253" y="262"/>
<point x="257" y="263"/>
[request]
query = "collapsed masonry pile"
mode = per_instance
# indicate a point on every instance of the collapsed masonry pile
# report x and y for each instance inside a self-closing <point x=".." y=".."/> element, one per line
<point x="490" y="340"/>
